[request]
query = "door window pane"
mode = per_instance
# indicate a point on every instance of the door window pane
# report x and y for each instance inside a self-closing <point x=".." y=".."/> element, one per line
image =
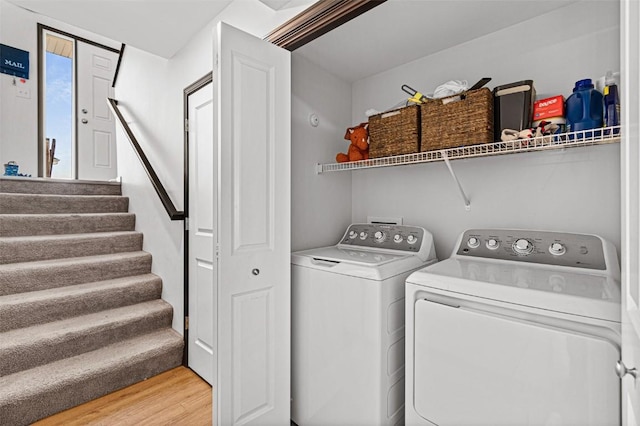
<point x="59" y="105"/>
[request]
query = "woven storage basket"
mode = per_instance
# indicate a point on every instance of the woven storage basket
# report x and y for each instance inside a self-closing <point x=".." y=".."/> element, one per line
<point x="395" y="132"/>
<point x="449" y="123"/>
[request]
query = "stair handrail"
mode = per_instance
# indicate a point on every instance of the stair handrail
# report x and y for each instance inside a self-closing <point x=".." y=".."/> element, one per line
<point x="173" y="213"/>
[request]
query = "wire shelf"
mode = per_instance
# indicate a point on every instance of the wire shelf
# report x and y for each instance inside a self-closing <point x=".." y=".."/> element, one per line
<point x="601" y="136"/>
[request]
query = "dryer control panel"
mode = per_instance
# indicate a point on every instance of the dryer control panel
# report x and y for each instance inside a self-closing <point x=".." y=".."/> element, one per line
<point x="544" y="247"/>
<point x="389" y="237"/>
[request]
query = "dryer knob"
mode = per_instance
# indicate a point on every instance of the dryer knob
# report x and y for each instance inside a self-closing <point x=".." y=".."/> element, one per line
<point x="363" y="235"/>
<point x="522" y="246"/>
<point x="411" y="239"/>
<point x="353" y="234"/>
<point x="397" y="238"/>
<point x="473" y="242"/>
<point x="557" y="249"/>
<point x="492" y="244"/>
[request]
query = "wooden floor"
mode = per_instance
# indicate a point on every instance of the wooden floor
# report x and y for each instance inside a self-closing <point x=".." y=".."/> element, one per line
<point x="177" y="397"/>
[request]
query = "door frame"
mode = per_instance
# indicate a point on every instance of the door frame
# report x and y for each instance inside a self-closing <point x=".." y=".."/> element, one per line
<point x="318" y="19"/>
<point x="188" y="91"/>
<point x="41" y="95"/>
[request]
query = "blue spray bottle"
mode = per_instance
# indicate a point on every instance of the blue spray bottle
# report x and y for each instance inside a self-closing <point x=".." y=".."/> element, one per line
<point x="611" y="103"/>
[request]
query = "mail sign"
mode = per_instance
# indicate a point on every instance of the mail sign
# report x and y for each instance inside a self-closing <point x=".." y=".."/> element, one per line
<point x="14" y="61"/>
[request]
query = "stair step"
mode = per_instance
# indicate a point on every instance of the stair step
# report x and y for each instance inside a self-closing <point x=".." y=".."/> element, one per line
<point x="26" y="348"/>
<point x="39" y="392"/>
<point x="39" y="307"/>
<point x="58" y="186"/>
<point x="18" y="225"/>
<point x="46" y="274"/>
<point x="27" y="249"/>
<point x="41" y="203"/>
<point x="80" y="311"/>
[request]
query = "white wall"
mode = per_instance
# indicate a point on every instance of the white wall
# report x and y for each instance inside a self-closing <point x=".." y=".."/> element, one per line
<point x="581" y="40"/>
<point x="576" y="190"/>
<point x="320" y="204"/>
<point x="150" y="92"/>
<point x="150" y="88"/>
<point x="19" y="116"/>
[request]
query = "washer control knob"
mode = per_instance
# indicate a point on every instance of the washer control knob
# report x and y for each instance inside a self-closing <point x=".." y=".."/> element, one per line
<point x="557" y="249"/>
<point x="353" y="234"/>
<point x="492" y="244"/>
<point x="363" y="235"/>
<point x="473" y="242"/>
<point x="380" y="237"/>
<point x="411" y="239"/>
<point x="522" y="246"/>
<point x="397" y="238"/>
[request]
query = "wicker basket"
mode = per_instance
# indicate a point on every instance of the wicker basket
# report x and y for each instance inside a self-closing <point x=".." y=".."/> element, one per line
<point x="449" y="123"/>
<point x="395" y="132"/>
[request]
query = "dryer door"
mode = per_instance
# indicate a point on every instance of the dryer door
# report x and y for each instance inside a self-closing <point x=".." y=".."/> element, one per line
<point x="474" y="367"/>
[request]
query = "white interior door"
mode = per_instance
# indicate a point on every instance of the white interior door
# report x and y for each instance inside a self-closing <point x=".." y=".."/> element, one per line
<point x="630" y="56"/>
<point x="201" y="232"/>
<point x="252" y="85"/>
<point x="95" y="141"/>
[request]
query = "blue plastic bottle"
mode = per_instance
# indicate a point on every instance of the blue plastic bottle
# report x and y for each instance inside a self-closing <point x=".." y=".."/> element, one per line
<point x="584" y="109"/>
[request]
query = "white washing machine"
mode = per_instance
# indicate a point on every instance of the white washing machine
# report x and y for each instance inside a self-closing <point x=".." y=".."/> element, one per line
<point x="347" y="325"/>
<point x="515" y="328"/>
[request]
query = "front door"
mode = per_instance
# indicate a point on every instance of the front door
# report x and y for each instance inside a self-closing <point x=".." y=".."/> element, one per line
<point x="630" y="153"/>
<point x="252" y="91"/>
<point x="96" y="144"/>
<point x="201" y="261"/>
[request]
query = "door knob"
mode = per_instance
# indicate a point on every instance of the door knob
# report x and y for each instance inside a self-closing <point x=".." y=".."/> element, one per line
<point x="84" y="121"/>
<point x="255" y="271"/>
<point x="622" y="370"/>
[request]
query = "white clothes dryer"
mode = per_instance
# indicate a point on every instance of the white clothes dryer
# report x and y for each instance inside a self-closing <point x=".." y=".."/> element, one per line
<point x="515" y="328"/>
<point x="347" y="325"/>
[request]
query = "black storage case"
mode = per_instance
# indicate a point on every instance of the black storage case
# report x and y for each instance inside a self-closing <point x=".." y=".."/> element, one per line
<point x="513" y="106"/>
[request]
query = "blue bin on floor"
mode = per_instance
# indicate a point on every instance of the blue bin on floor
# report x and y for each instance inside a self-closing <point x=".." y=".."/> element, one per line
<point x="11" y="169"/>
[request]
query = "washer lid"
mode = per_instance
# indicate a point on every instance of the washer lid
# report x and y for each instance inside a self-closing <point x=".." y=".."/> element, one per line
<point x="368" y="264"/>
<point x="351" y="255"/>
<point x="538" y="286"/>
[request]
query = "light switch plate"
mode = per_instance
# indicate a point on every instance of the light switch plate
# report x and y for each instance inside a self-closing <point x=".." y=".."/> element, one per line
<point x="22" y="91"/>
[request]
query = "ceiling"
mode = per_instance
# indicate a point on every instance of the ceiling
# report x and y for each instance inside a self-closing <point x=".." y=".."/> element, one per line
<point x="285" y="4"/>
<point x="161" y="27"/>
<point x="400" y="31"/>
<point x="392" y="34"/>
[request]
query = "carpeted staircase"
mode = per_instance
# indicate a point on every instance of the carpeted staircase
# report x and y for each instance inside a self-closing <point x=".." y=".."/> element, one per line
<point x="80" y="311"/>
